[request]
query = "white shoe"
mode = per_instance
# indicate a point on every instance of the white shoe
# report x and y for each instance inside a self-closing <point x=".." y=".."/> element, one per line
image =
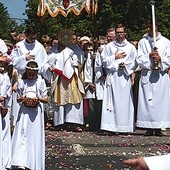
<point x="21" y="167"/>
<point x="163" y="129"/>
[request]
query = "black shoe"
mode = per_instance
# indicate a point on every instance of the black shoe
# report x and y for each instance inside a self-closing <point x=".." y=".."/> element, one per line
<point x="158" y="133"/>
<point x="149" y="133"/>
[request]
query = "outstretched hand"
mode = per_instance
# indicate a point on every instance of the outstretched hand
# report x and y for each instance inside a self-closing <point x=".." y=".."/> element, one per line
<point x="155" y="55"/>
<point x="137" y="163"/>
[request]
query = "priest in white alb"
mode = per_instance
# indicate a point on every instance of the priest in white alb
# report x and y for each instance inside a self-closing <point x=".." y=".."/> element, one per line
<point x="118" y="60"/>
<point x="153" y="103"/>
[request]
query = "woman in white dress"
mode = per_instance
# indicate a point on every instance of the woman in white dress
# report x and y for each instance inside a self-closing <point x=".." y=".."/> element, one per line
<point x="28" y="142"/>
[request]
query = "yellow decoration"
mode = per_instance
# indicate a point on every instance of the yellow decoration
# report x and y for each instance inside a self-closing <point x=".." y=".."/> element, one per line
<point x="55" y="7"/>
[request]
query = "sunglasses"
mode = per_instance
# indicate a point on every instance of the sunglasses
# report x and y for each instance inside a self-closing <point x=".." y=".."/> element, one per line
<point x="90" y="49"/>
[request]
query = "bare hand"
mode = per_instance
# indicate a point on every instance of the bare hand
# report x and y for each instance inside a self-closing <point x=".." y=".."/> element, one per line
<point x="132" y="77"/>
<point x="15" y="87"/>
<point x="1" y="99"/>
<point x="29" y="56"/>
<point x="20" y="99"/>
<point x="155" y="55"/>
<point x="4" y="112"/>
<point x="51" y="69"/>
<point x="120" y="54"/>
<point x="100" y="49"/>
<point x="94" y="55"/>
<point x="121" y="65"/>
<point x="138" y="163"/>
<point x="169" y="72"/>
<point x="2" y="106"/>
<point x="92" y="87"/>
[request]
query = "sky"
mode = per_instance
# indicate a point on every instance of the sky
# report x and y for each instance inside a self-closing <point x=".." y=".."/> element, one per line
<point x="15" y="8"/>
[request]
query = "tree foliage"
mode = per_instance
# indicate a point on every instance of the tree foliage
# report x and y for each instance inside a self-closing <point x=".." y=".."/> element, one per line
<point x="6" y="24"/>
<point x="132" y="13"/>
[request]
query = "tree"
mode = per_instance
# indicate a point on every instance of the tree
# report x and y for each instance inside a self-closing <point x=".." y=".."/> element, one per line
<point x="6" y="24"/>
<point x="49" y="25"/>
<point x="132" y="13"/>
<point x="163" y="15"/>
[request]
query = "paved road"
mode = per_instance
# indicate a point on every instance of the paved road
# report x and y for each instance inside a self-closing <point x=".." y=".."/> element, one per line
<point x="96" y="151"/>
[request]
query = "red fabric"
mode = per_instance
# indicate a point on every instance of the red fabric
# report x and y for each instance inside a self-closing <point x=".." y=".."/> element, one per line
<point x="85" y="108"/>
<point x="60" y="72"/>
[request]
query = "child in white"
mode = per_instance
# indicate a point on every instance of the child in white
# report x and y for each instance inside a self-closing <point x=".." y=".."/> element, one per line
<point x="28" y="142"/>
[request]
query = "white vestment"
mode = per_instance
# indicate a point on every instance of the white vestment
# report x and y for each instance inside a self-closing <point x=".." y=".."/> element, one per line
<point x="22" y="48"/>
<point x="66" y="64"/>
<point x="3" y="47"/>
<point x="28" y="141"/>
<point x="117" y="108"/>
<point x="89" y="76"/>
<point x="154" y="86"/>
<point x="5" y="136"/>
<point x="98" y="73"/>
<point x="158" y="162"/>
<point x="92" y="74"/>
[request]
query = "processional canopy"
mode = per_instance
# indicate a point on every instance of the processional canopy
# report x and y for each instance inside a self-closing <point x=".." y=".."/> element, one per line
<point x="55" y="7"/>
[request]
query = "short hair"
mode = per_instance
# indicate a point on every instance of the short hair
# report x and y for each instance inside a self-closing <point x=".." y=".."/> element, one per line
<point x="110" y="29"/>
<point x="45" y="39"/>
<point x="30" y="30"/>
<point x="101" y="37"/>
<point x="9" y="43"/>
<point x="149" y="23"/>
<point x="120" y="26"/>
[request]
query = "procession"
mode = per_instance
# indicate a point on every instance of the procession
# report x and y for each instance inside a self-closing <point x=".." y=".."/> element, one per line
<point x="104" y="87"/>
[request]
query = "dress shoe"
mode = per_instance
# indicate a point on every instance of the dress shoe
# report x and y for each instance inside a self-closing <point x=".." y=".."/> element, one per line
<point x="78" y="129"/>
<point x="158" y="133"/>
<point x="149" y="133"/>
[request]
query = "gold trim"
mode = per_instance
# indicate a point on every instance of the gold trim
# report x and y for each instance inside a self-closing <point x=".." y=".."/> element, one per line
<point x="42" y="8"/>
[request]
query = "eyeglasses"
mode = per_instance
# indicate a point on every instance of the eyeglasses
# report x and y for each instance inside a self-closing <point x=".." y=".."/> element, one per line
<point x="119" y="32"/>
<point x="89" y="49"/>
<point x="110" y="36"/>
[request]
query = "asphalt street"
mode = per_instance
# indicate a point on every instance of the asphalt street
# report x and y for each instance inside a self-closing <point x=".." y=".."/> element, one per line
<point x="100" y="151"/>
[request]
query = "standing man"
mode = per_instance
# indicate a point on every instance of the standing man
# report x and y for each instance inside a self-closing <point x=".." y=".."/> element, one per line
<point x="68" y="86"/>
<point x="29" y="49"/>
<point x="153" y="104"/>
<point x="110" y="35"/>
<point x="118" y="59"/>
<point x="13" y="36"/>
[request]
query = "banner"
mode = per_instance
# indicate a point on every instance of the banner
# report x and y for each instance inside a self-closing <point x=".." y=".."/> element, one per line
<point x="64" y="7"/>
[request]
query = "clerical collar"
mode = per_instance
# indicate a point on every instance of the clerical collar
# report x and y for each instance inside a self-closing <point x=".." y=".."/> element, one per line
<point x="27" y="42"/>
<point x="116" y="42"/>
<point x="151" y="38"/>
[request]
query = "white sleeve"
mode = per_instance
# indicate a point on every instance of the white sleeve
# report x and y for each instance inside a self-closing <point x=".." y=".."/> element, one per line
<point x="88" y="69"/>
<point x="3" y="47"/>
<point x="158" y="162"/>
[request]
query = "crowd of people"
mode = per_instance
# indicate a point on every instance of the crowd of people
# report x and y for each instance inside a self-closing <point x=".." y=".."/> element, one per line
<point x="110" y="85"/>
